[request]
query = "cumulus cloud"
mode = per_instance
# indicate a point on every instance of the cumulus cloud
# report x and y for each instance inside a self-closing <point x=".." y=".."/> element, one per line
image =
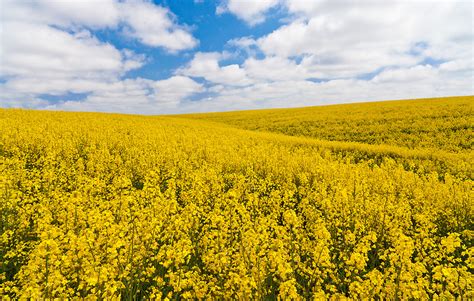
<point x="346" y="39"/>
<point x="246" y="44"/>
<point x="151" y="24"/>
<point x="274" y="68"/>
<point x="95" y="14"/>
<point x="210" y="66"/>
<point x="141" y="96"/>
<point x="339" y="51"/>
<point x="402" y="83"/>
<point x="206" y="65"/>
<point x="406" y="75"/>
<point x="48" y="48"/>
<point x="155" y="26"/>
<point x="250" y="11"/>
<point x="38" y="49"/>
<point x="175" y="89"/>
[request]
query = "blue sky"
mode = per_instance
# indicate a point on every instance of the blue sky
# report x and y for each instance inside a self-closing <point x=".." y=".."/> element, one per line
<point x="160" y="57"/>
<point x="212" y="30"/>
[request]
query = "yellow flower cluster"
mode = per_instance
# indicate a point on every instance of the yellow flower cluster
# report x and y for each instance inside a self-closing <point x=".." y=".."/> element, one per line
<point x="101" y="206"/>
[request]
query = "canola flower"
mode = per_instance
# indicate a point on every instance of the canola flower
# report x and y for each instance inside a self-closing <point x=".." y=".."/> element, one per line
<point x="106" y="206"/>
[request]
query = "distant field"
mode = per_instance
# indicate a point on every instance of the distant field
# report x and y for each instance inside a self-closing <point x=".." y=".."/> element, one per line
<point x="441" y="123"/>
<point x="360" y="201"/>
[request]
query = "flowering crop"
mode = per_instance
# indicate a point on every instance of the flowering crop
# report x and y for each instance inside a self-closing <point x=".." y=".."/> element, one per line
<point x="104" y="206"/>
<point x="437" y="123"/>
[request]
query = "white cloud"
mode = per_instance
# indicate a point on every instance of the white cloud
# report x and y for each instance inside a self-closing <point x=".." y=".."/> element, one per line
<point x="155" y="26"/>
<point x="92" y="13"/>
<point x="403" y="83"/>
<point x="247" y="44"/>
<point x="346" y="39"/>
<point x="141" y="96"/>
<point x="406" y="75"/>
<point x="272" y="68"/>
<point x="39" y="59"/>
<point x="138" y="95"/>
<point x="458" y="65"/>
<point x="151" y="24"/>
<point x="275" y="68"/>
<point x="47" y="47"/>
<point x="206" y="65"/>
<point x="175" y="89"/>
<point x="41" y="50"/>
<point x="251" y="11"/>
<point x="243" y="42"/>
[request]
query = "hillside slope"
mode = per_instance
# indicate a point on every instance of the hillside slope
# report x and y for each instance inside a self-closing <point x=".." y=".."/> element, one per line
<point x="438" y="123"/>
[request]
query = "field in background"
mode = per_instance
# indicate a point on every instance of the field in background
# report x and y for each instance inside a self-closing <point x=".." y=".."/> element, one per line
<point x="437" y="123"/>
<point x="360" y="201"/>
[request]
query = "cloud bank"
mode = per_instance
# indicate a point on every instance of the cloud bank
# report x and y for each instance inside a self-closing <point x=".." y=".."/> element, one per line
<point x="321" y="52"/>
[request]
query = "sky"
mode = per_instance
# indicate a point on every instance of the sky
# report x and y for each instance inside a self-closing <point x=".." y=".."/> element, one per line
<point x="167" y="57"/>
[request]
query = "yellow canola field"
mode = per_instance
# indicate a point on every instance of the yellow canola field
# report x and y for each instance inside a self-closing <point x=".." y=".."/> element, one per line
<point x="104" y="206"/>
<point x="438" y="123"/>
